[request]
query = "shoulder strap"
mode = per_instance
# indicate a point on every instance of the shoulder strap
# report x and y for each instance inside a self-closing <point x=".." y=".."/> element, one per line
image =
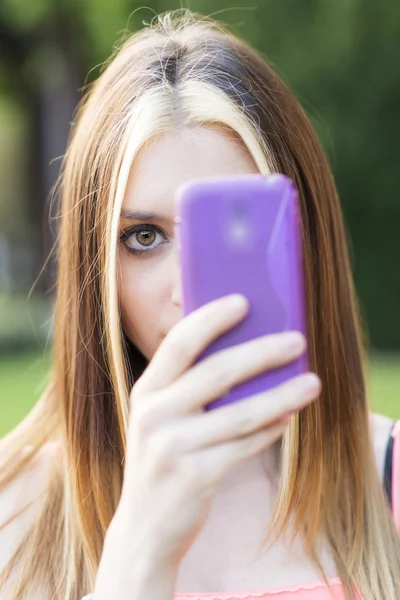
<point x="391" y="478"/>
<point x="388" y="471"/>
<point x="396" y="475"/>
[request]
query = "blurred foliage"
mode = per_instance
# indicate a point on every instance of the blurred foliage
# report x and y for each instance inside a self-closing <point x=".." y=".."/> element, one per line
<point x="340" y="58"/>
<point x="25" y="323"/>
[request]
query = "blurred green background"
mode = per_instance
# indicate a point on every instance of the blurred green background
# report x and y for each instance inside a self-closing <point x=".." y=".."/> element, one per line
<point x="340" y="59"/>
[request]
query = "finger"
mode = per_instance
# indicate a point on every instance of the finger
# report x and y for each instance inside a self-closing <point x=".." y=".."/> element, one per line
<point x="215" y="375"/>
<point x="190" y="337"/>
<point x="246" y="417"/>
<point x="217" y="460"/>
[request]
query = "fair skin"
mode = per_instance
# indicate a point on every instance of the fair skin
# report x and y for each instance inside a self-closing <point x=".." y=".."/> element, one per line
<point x="218" y="475"/>
<point x="150" y="292"/>
<point x="151" y="304"/>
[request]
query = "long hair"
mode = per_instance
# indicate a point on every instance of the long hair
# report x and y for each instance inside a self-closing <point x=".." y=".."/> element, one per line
<point x="185" y="70"/>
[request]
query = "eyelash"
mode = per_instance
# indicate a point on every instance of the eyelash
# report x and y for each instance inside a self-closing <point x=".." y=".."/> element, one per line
<point x="138" y="229"/>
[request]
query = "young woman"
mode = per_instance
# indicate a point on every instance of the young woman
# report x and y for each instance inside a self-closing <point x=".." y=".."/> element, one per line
<point x="118" y="483"/>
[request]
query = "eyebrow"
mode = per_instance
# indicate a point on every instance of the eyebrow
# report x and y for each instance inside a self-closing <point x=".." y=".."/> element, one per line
<point x="139" y="215"/>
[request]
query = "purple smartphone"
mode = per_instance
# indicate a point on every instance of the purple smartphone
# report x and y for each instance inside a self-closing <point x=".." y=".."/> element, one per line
<point x="242" y="235"/>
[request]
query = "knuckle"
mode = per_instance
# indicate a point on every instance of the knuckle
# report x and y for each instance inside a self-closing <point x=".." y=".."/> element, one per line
<point x="137" y="390"/>
<point x="146" y="418"/>
<point x="176" y="344"/>
<point x="222" y="371"/>
<point x="244" y="423"/>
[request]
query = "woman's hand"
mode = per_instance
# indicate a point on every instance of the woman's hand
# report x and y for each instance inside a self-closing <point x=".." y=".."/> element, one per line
<point x="176" y="452"/>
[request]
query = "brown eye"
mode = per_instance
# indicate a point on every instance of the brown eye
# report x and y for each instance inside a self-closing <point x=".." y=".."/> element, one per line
<point x="142" y="239"/>
<point x="145" y="238"/>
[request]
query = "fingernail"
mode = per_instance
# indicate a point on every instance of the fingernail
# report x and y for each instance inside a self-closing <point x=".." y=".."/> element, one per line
<point x="293" y="341"/>
<point x="238" y="302"/>
<point x="309" y="384"/>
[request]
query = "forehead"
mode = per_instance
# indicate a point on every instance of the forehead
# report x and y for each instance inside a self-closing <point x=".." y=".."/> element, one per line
<point x="168" y="160"/>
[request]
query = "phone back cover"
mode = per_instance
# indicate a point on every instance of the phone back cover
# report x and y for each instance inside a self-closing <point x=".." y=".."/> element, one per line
<point x="243" y="235"/>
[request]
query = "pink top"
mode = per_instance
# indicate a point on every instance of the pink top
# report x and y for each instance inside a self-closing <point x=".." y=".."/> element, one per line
<point x="315" y="590"/>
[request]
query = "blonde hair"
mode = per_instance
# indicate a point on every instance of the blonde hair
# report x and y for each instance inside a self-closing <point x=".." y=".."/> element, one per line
<point x="186" y="70"/>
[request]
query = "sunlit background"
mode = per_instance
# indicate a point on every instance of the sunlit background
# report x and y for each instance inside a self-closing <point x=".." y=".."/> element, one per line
<point x="341" y="59"/>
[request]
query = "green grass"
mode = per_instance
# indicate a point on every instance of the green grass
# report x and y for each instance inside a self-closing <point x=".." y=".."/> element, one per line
<point x="22" y="380"/>
<point x="385" y="384"/>
<point x="23" y="377"/>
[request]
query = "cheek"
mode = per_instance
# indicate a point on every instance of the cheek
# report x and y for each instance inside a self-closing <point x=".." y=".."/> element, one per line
<point x="143" y="289"/>
<point x="140" y="281"/>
